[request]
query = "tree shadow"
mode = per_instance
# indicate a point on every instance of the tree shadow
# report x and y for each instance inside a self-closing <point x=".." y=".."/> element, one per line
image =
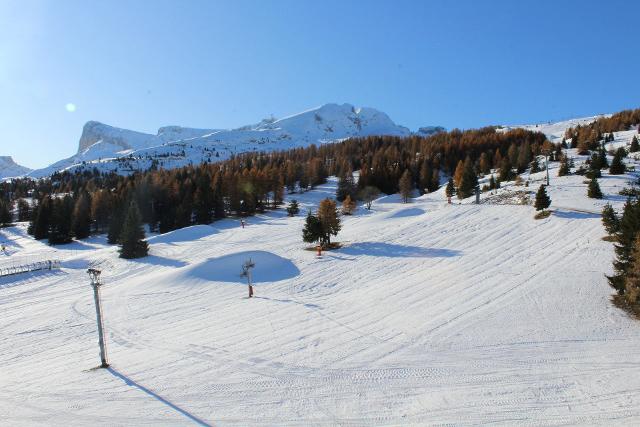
<point x="576" y="215"/>
<point x="390" y="250"/>
<point x="404" y="213"/>
<point x="186" y="234"/>
<point x="128" y="381"/>
<point x="285" y="301"/>
<point x="161" y="261"/>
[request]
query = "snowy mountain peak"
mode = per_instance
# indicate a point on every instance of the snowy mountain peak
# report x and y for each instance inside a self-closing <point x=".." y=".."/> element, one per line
<point x="95" y="132"/>
<point x="110" y="148"/>
<point x="9" y="168"/>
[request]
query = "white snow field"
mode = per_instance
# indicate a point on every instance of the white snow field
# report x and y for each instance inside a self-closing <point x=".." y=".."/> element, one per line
<point x="431" y="314"/>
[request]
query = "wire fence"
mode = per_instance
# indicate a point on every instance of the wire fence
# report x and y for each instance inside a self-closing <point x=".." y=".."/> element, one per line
<point x="19" y="266"/>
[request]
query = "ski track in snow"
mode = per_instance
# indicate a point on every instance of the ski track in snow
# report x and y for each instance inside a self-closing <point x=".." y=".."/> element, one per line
<point x="430" y="314"/>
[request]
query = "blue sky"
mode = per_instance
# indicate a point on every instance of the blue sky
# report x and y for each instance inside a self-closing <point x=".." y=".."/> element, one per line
<point x="144" y="64"/>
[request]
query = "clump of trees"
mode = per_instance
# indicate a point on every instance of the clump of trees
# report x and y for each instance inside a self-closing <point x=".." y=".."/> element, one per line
<point x="587" y="137"/>
<point x="624" y="230"/>
<point x="6" y="217"/>
<point x="319" y="227"/>
<point x="293" y="208"/>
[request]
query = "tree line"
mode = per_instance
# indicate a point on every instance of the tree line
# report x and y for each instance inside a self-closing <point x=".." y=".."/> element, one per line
<point x="75" y="205"/>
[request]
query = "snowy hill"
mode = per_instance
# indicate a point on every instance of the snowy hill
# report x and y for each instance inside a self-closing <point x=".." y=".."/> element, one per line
<point x="430" y="314"/>
<point x="555" y="130"/>
<point x="109" y="148"/>
<point x="9" y="168"/>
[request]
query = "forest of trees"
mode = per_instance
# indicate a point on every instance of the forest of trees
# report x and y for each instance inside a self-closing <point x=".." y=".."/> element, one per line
<point x="587" y="137"/>
<point x="68" y="206"/>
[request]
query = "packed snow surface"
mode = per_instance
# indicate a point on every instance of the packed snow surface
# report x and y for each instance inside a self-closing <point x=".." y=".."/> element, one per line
<point x="431" y="313"/>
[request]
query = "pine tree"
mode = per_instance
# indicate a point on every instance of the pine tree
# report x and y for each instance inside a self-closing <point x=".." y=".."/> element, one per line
<point x="293" y="209"/>
<point x="60" y="226"/>
<point x="628" y="230"/>
<point x="329" y="220"/>
<point x="635" y="147"/>
<point x="564" y="168"/>
<point x="524" y="157"/>
<point x="218" y="198"/>
<point x="505" y="170"/>
<point x="132" y="237"/>
<point x="6" y="218"/>
<point x="469" y="180"/>
<point x="617" y="165"/>
<point x="81" y="224"/>
<point x="450" y="190"/>
<point x="24" y="210"/>
<point x="405" y="185"/>
<point x="543" y="201"/>
<point x="39" y="226"/>
<point x="535" y="165"/>
<point x="602" y="157"/>
<point x="115" y="226"/>
<point x="346" y="186"/>
<point x="101" y="206"/>
<point x="594" y="189"/>
<point x="312" y="231"/>
<point x="610" y="220"/>
<point x="203" y="200"/>
<point x="632" y="279"/>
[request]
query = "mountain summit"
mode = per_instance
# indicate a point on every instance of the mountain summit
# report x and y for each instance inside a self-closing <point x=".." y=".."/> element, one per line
<point x="110" y="148"/>
<point x="9" y="168"/>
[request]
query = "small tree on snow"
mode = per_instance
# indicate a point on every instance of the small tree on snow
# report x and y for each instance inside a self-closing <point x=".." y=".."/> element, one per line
<point x="543" y="201"/>
<point x="293" y="208"/>
<point x="617" y="165"/>
<point x="610" y="220"/>
<point x="594" y="191"/>
<point x="319" y="228"/>
<point x="450" y="190"/>
<point x="312" y="231"/>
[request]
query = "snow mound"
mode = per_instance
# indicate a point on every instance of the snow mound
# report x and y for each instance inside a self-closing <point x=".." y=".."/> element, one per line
<point x="269" y="267"/>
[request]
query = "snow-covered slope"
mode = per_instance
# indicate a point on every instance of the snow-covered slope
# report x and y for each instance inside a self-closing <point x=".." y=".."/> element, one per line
<point x="109" y="148"/>
<point x="9" y="168"/>
<point x="555" y="131"/>
<point x="431" y="314"/>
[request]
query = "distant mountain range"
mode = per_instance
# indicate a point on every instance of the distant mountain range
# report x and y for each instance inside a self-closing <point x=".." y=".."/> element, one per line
<point x="9" y="168"/>
<point x="110" y="148"/>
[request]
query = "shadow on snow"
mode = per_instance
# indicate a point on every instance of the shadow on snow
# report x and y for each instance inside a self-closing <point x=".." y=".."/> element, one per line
<point x="381" y="249"/>
<point x="128" y="381"/>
